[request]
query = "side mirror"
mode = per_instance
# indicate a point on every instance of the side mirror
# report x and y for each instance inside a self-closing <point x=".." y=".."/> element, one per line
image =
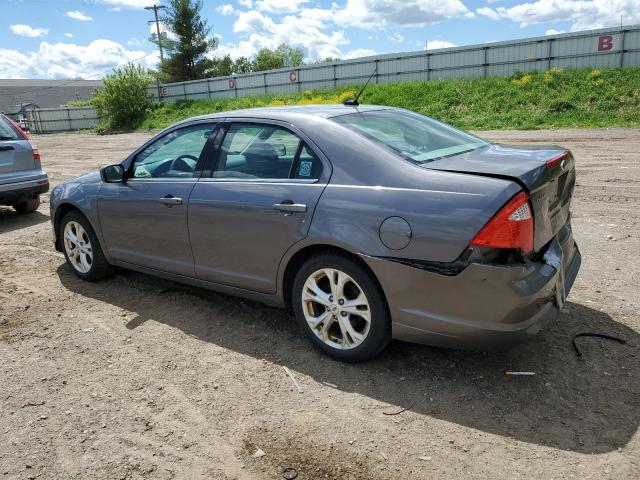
<point x="112" y="173"/>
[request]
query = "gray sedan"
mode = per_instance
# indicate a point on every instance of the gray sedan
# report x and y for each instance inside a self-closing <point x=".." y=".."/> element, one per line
<point x="370" y="223"/>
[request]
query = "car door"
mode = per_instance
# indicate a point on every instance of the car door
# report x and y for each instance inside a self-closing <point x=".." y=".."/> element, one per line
<point x="144" y="219"/>
<point x="256" y="204"/>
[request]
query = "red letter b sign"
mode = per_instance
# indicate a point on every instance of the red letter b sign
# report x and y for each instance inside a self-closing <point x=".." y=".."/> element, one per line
<point x="605" y="42"/>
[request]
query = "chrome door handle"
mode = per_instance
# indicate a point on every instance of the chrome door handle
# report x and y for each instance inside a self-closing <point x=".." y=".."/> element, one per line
<point x="290" y="207"/>
<point x="171" y="200"/>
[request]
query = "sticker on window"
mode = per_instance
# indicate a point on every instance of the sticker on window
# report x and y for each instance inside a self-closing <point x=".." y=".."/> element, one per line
<point x="305" y="168"/>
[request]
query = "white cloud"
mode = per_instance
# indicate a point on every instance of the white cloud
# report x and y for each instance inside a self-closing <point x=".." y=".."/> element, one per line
<point x="395" y="37"/>
<point x="582" y="14"/>
<point x="28" y="31"/>
<point x="307" y="30"/>
<point x="245" y="3"/>
<point x="78" y="15"/>
<point x="68" y="60"/>
<point x="487" y="12"/>
<point x="68" y="35"/>
<point x="279" y="6"/>
<point x="408" y="13"/>
<point x="130" y="3"/>
<point x="320" y="32"/>
<point x="359" y="52"/>
<point x="553" y="31"/>
<point x="226" y="9"/>
<point x="135" y="42"/>
<point x="435" y="44"/>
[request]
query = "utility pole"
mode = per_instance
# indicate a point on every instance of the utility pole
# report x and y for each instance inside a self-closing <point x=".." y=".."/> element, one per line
<point x="155" y="9"/>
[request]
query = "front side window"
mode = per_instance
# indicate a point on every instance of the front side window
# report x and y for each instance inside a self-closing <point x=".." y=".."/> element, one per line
<point x="254" y="151"/>
<point x="415" y="137"/>
<point x="175" y="155"/>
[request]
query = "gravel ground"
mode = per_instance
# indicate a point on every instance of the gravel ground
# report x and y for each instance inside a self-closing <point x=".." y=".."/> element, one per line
<point x="136" y="377"/>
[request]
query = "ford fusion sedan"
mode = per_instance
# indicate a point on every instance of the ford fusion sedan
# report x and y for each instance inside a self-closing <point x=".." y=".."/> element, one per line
<point x="21" y="177"/>
<point x="370" y="223"/>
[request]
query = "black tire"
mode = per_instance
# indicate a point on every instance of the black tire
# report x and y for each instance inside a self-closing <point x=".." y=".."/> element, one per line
<point x="100" y="268"/>
<point x="379" y="333"/>
<point x="27" y="206"/>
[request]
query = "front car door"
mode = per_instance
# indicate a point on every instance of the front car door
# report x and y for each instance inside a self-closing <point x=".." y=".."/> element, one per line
<point x="256" y="204"/>
<point x="144" y="219"/>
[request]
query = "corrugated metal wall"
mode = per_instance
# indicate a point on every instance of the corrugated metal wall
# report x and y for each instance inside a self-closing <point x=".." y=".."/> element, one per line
<point x="61" y="119"/>
<point x="609" y="47"/>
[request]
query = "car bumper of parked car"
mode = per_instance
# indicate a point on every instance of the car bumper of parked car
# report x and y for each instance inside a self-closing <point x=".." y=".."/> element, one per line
<point x="482" y="307"/>
<point x="24" y="189"/>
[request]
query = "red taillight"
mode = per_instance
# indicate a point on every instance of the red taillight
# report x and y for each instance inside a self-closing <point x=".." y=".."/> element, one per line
<point x="557" y="160"/>
<point x="36" y="153"/>
<point x="511" y="227"/>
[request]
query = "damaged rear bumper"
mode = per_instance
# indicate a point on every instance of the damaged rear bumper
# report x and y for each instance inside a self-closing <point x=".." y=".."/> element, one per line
<point x="482" y="307"/>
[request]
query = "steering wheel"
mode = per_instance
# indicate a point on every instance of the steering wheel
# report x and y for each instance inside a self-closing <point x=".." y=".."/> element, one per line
<point x="180" y="164"/>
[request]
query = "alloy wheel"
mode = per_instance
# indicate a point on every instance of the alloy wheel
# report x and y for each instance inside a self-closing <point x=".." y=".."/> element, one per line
<point x="78" y="247"/>
<point x="336" y="308"/>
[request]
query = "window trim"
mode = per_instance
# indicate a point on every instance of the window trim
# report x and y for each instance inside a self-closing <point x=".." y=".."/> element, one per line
<point x="327" y="168"/>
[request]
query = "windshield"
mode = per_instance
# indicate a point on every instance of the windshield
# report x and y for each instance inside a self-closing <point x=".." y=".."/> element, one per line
<point x="415" y="137"/>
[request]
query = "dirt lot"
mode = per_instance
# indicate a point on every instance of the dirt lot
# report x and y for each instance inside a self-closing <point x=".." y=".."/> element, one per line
<point x="136" y="377"/>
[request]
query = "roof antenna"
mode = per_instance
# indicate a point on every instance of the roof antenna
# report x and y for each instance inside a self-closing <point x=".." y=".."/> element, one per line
<point x="354" y="102"/>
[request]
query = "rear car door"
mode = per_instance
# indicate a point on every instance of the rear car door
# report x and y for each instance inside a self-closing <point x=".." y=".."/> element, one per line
<point x="144" y="219"/>
<point x="257" y="203"/>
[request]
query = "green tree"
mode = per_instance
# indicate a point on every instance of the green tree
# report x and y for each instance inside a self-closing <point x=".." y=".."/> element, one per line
<point x="187" y="51"/>
<point x="242" y="65"/>
<point x="123" y="99"/>
<point x="283" y="56"/>
<point x="291" y="56"/>
<point x="267" y="59"/>
<point x="221" y="67"/>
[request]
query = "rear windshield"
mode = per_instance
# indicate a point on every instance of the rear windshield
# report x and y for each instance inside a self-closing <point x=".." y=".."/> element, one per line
<point x="7" y="132"/>
<point x="415" y="137"/>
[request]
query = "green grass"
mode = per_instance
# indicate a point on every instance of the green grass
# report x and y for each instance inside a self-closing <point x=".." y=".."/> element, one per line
<point x="608" y="97"/>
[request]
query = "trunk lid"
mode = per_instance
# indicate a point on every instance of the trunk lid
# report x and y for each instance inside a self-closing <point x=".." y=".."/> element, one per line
<point x="550" y="187"/>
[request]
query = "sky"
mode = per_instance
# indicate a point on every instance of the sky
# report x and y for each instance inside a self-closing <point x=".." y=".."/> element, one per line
<point x="60" y="39"/>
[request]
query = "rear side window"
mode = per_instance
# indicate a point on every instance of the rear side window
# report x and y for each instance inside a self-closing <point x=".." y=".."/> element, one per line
<point x="255" y="151"/>
<point x="414" y="137"/>
<point x="308" y="166"/>
<point x="7" y="132"/>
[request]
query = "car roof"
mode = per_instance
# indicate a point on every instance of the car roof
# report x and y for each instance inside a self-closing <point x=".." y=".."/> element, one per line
<point x="290" y="112"/>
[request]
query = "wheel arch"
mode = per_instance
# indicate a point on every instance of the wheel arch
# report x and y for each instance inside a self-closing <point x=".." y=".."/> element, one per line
<point x="59" y="214"/>
<point x="296" y="260"/>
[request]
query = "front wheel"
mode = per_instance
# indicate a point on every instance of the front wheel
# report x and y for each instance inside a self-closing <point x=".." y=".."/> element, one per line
<point x="341" y="308"/>
<point x="81" y="248"/>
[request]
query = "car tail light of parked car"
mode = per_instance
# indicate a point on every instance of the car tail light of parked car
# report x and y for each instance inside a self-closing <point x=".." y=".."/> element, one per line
<point x="511" y="227"/>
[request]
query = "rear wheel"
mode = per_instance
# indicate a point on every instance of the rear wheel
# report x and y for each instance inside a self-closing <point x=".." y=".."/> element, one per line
<point x="81" y="248"/>
<point x="341" y="308"/>
<point x="27" y="206"/>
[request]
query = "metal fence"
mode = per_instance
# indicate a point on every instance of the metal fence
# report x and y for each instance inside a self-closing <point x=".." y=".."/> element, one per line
<point x="610" y="47"/>
<point x="44" y="120"/>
